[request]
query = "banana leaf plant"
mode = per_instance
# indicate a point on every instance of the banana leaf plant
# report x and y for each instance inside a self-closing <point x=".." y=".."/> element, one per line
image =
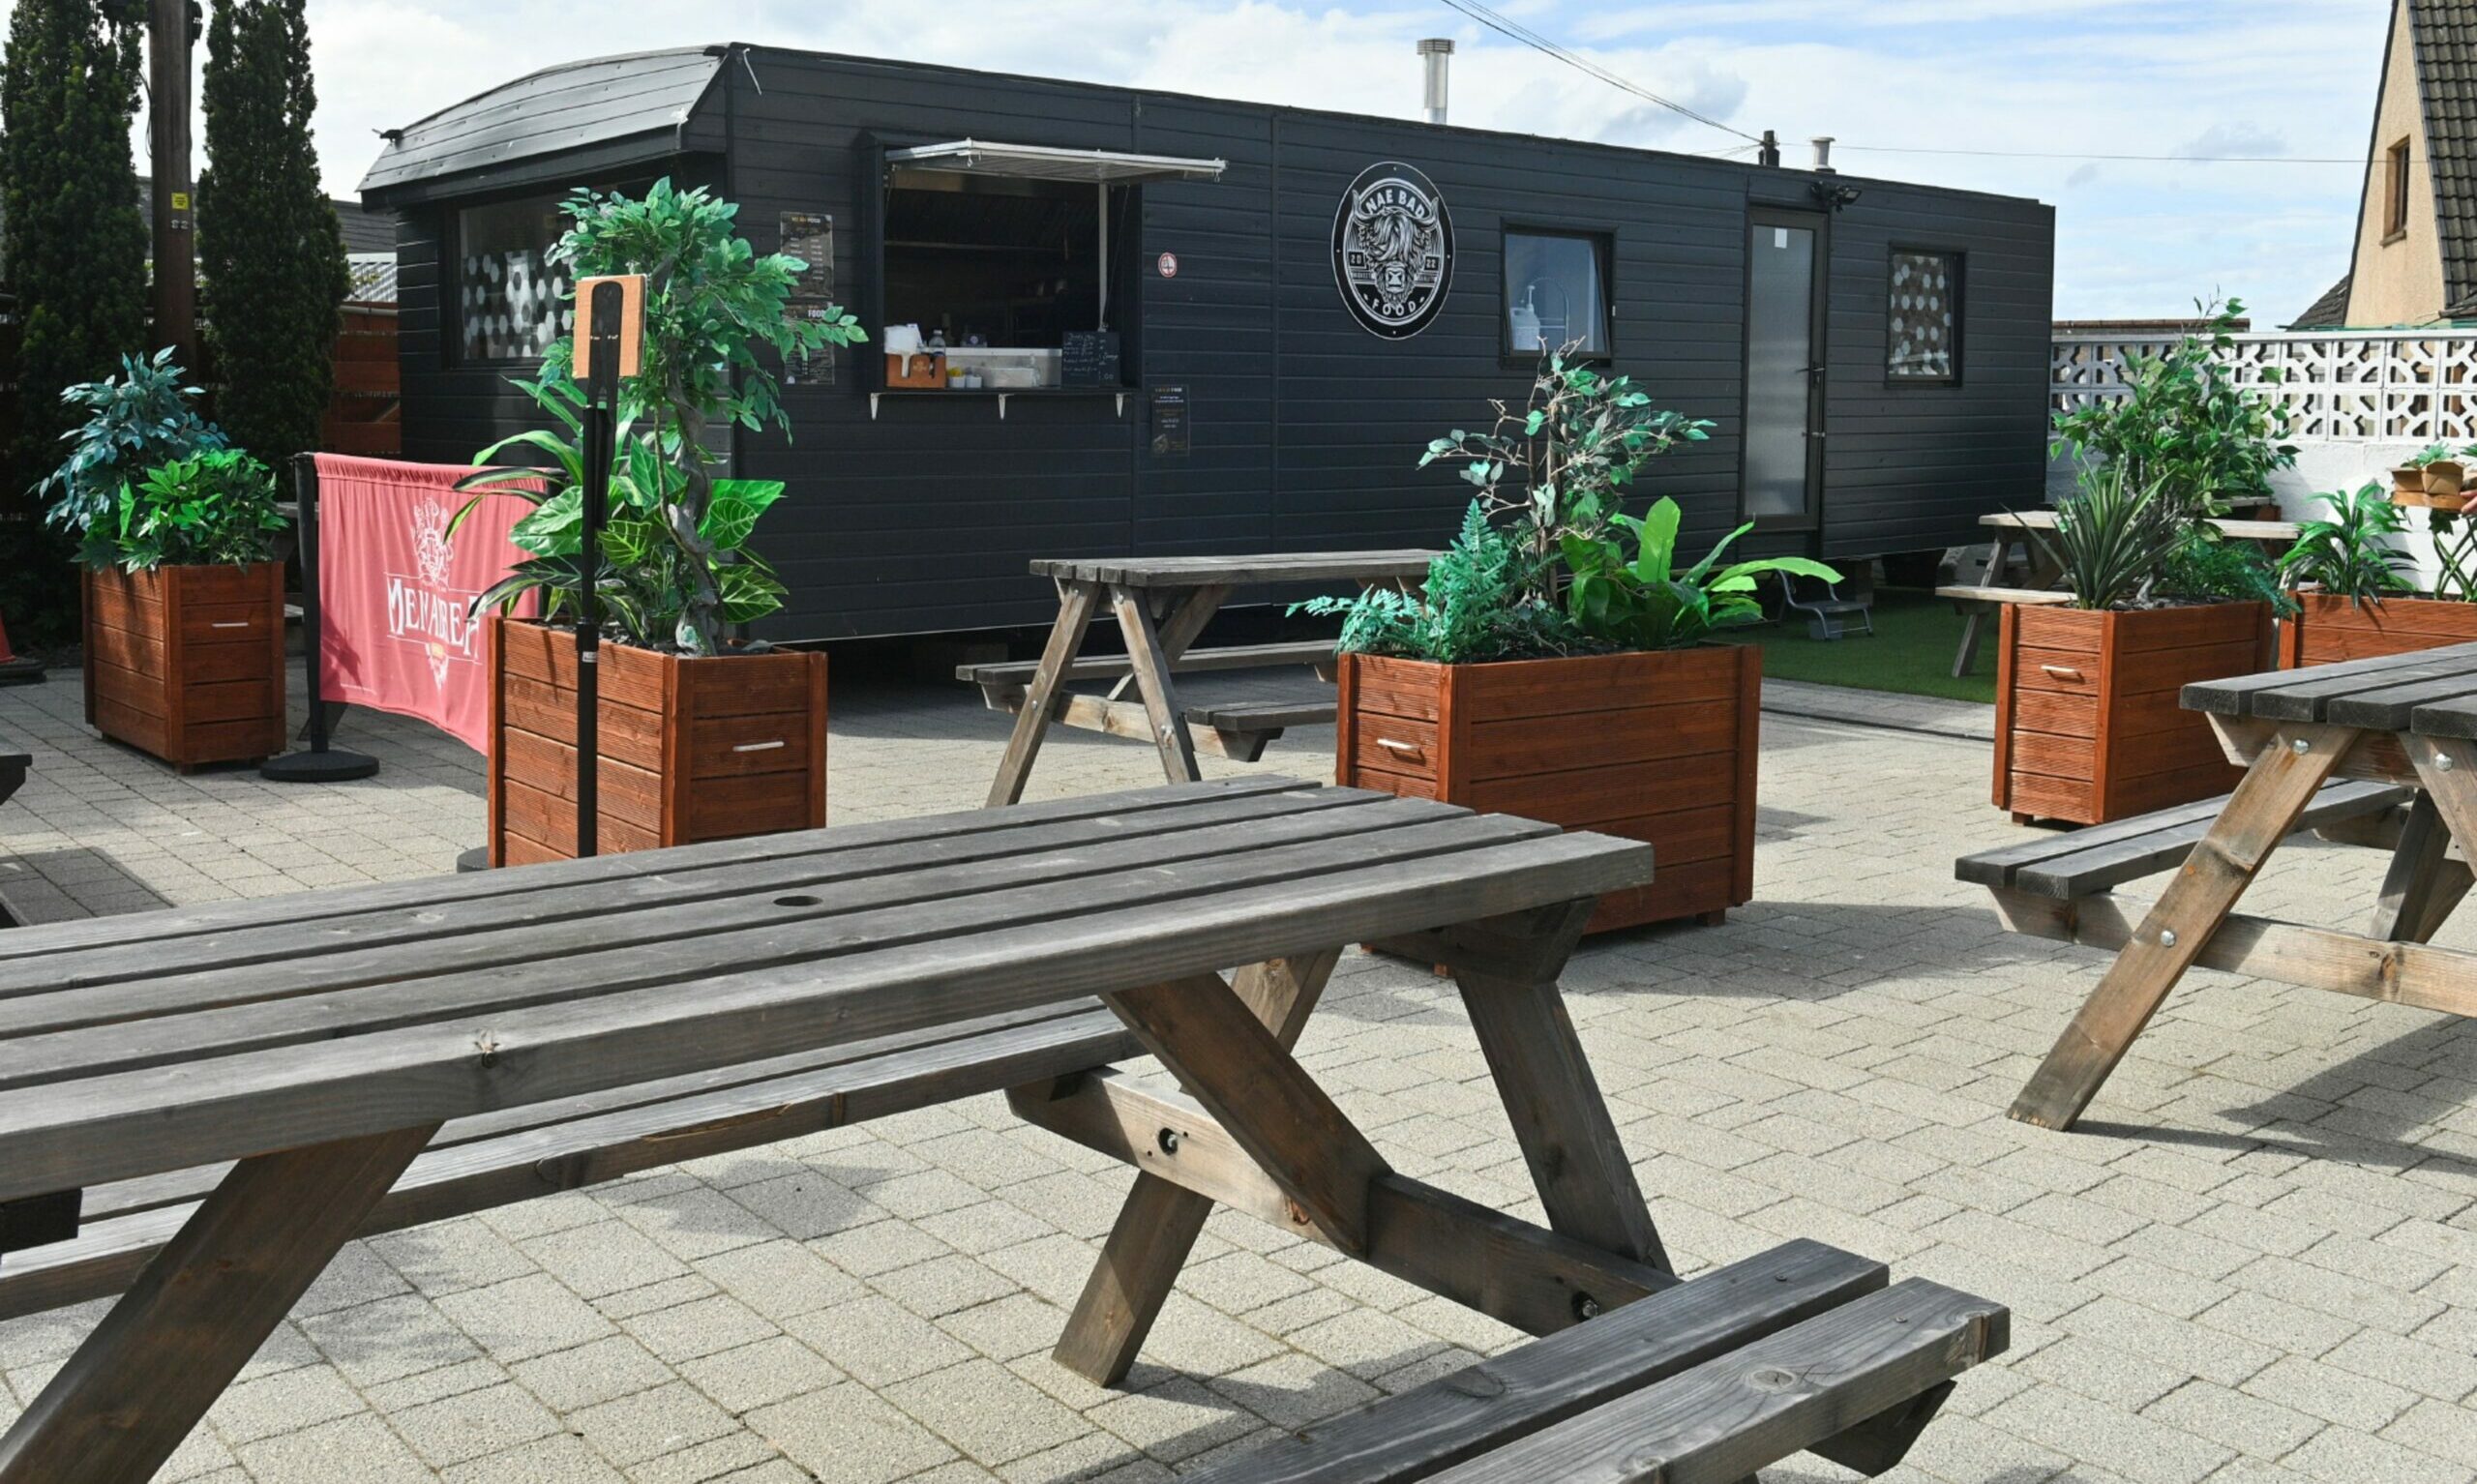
<point x="1643" y="602"/>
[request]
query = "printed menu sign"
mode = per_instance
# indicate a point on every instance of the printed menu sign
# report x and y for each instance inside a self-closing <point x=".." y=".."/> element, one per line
<point x="1170" y="422"/>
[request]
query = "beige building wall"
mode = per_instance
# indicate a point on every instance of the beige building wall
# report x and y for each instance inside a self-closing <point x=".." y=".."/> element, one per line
<point x="2398" y="282"/>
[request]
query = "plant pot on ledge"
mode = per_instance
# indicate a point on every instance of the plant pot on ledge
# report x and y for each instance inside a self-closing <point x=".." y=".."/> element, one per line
<point x="2088" y="724"/>
<point x="691" y="748"/>
<point x="187" y="663"/>
<point x="1656" y="746"/>
<point x="2329" y="629"/>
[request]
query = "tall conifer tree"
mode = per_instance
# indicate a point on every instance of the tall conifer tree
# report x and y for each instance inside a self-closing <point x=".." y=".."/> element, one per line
<point x="269" y="251"/>
<point x="73" y="252"/>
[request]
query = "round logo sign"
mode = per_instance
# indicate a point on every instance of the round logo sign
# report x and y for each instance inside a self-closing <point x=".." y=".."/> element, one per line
<point x="1392" y="250"/>
<point x="1168" y="263"/>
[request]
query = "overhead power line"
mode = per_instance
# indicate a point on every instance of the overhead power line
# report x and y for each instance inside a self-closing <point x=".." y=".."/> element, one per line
<point x="1584" y="65"/>
<point x="2032" y="154"/>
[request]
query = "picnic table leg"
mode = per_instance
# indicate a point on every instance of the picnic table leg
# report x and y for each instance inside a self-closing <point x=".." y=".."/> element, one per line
<point x="2293" y="764"/>
<point x="1158" y="1223"/>
<point x="1151" y="674"/>
<point x="2423" y="883"/>
<point x="1076" y="605"/>
<point x="1508" y="969"/>
<point x="200" y="1311"/>
<point x="1180" y="630"/>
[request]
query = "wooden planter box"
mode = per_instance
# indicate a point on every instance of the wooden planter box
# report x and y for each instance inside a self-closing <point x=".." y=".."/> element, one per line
<point x="187" y="663"/>
<point x="690" y="749"/>
<point x="2332" y="629"/>
<point x="2087" y="724"/>
<point x="1654" y="747"/>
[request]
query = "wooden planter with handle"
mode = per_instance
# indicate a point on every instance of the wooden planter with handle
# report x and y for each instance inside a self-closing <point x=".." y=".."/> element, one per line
<point x="2327" y="630"/>
<point x="2088" y="724"/>
<point x="187" y="663"/>
<point x="1660" y="747"/>
<point x="690" y="749"/>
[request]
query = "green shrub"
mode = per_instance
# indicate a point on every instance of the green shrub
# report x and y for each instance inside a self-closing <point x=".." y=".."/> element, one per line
<point x="2183" y="428"/>
<point x="135" y="421"/>
<point x="2349" y="554"/>
<point x="215" y="508"/>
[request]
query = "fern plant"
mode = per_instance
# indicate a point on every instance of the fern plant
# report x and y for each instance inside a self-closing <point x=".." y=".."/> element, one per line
<point x="1475" y="607"/>
<point x="2350" y="553"/>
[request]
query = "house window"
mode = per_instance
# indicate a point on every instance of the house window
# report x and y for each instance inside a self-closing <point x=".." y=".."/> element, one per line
<point x="1556" y="293"/>
<point x="1922" y="328"/>
<point x="2395" y="193"/>
<point x="511" y="302"/>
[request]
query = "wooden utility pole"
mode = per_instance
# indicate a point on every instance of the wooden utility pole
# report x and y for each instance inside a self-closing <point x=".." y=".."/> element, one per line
<point x="175" y="240"/>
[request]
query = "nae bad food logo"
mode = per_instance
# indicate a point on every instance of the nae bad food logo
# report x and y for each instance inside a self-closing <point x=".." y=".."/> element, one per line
<point x="425" y="610"/>
<point x="1392" y="250"/>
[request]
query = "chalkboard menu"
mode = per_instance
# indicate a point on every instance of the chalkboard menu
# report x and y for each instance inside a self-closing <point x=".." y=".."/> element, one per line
<point x="1089" y="358"/>
<point x="1170" y="422"/>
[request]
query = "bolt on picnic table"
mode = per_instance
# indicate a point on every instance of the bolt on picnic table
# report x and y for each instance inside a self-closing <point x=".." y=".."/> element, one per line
<point x="2398" y="730"/>
<point x="1139" y="592"/>
<point x="232" y="1092"/>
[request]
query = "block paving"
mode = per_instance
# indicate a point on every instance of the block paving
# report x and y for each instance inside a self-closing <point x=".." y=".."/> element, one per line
<point x="2251" y="1265"/>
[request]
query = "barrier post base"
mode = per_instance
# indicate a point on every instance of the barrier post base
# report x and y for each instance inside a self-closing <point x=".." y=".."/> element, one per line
<point x="331" y="766"/>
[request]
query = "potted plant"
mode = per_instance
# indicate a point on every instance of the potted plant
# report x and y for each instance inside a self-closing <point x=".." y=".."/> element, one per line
<point x="703" y="734"/>
<point x="2354" y="601"/>
<point x="2088" y="722"/>
<point x="184" y="628"/>
<point x="1557" y="664"/>
<point x="2185" y="425"/>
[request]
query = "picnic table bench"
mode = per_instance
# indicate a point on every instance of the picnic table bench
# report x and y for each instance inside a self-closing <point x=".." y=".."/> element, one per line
<point x="2380" y="749"/>
<point x="198" y="1106"/>
<point x="1161" y="604"/>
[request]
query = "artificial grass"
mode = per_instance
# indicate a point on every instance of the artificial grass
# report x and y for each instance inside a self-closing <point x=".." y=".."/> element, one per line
<point x="1910" y="652"/>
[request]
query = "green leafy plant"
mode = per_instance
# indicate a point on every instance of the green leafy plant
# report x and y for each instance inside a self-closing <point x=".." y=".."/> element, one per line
<point x="2349" y="553"/>
<point x="135" y="421"/>
<point x="2454" y="555"/>
<point x="2439" y="453"/>
<point x="2184" y="427"/>
<point x="1475" y="607"/>
<point x="214" y="508"/>
<point x="1561" y="465"/>
<point x="2210" y="565"/>
<point x="680" y="568"/>
<point x="2113" y="539"/>
<point x="1642" y="602"/>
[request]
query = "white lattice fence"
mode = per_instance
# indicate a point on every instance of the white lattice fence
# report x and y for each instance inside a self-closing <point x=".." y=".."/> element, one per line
<point x="2385" y="386"/>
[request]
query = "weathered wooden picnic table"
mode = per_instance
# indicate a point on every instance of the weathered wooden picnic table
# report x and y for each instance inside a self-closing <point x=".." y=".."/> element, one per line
<point x="1981" y="598"/>
<point x="2385" y="748"/>
<point x="1162" y="605"/>
<point x="231" y="1092"/>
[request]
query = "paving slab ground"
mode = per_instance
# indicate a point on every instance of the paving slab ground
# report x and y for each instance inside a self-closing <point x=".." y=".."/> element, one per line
<point x="2253" y="1266"/>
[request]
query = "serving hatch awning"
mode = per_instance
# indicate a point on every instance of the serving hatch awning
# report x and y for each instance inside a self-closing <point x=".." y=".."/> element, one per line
<point x="1041" y="162"/>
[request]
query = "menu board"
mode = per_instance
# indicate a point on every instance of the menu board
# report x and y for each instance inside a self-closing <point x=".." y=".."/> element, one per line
<point x="1089" y="358"/>
<point x="808" y="367"/>
<point x="809" y="236"/>
<point x="1170" y="422"/>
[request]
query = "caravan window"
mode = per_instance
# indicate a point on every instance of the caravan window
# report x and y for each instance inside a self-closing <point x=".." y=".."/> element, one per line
<point x="1556" y="293"/>
<point x="1922" y="323"/>
<point x="511" y="302"/>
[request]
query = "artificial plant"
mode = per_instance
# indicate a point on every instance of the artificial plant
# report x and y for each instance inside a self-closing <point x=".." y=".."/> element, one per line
<point x="208" y="509"/>
<point x="676" y="565"/>
<point x="135" y="421"/>
<point x="1475" y="607"/>
<point x="2349" y="553"/>
<point x="2113" y="538"/>
<point x="1642" y="601"/>
<point x="2184" y="427"/>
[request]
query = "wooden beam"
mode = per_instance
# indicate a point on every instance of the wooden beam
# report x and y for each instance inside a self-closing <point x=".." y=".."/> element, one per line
<point x="1181" y="630"/>
<point x="147" y="1373"/>
<point x="1513" y="1271"/>
<point x="1077" y="603"/>
<point x="1150" y="673"/>
<point x="1127" y="719"/>
<point x="2423" y="883"/>
<point x="2259" y="814"/>
<point x="1158" y="1223"/>
<point x="1214" y="1044"/>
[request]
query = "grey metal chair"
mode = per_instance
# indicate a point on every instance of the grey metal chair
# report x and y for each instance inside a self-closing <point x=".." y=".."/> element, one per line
<point x="1829" y="615"/>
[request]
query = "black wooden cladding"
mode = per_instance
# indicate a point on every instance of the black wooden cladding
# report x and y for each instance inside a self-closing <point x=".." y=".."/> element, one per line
<point x="1305" y="429"/>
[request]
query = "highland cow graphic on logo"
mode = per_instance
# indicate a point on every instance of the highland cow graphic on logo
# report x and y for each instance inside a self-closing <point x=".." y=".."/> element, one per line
<point x="1392" y="250"/>
<point x="424" y="609"/>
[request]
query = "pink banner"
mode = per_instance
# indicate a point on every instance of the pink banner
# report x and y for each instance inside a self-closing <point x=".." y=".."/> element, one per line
<point x="396" y="596"/>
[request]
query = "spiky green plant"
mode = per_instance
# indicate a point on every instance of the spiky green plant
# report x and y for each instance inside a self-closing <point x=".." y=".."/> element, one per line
<point x="2113" y="539"/>
<point x="2350" y="554"/>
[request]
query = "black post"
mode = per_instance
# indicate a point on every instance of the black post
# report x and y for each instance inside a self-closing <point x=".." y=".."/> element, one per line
<point x="601" y="397"/>
<point x="320" y="764"/>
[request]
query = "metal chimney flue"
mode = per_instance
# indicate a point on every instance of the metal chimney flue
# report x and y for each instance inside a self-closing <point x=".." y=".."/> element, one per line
<point x="1823" y="154"/>
<point x="1436" y="51"/>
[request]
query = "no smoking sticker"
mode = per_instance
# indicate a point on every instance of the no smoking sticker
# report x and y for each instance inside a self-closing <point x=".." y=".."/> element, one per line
<point x="1168" y="264"/>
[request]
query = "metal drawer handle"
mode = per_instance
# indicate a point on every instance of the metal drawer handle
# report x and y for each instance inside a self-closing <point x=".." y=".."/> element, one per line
<point x="2061" y="671"/>
<point x="1406" y="748"/>
<point x="760" y="746"/>
<point x="230" y="623"/>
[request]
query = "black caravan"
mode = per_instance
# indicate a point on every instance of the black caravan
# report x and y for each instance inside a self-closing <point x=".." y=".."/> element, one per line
<point x="1155" y="324"/>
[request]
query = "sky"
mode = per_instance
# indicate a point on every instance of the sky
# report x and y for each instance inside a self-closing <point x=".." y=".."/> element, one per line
<point x="2289" y="81"/>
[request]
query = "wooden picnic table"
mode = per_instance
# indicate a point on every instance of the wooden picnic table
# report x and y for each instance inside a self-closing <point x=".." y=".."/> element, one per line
<point x="293" y="1058"/>
<point x="2042" y="573"/>
<point x="1162" y="605"/>
<point x="2406" y="723"/>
